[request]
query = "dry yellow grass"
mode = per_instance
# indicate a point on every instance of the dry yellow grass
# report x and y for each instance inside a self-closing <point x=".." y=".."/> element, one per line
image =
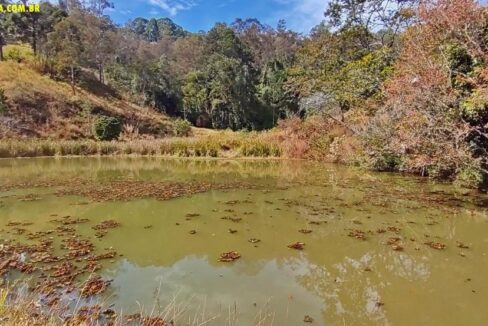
<point x="223" y="144"/>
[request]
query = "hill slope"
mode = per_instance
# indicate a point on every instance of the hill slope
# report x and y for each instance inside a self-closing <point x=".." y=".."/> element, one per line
<point x="39" y="107"/>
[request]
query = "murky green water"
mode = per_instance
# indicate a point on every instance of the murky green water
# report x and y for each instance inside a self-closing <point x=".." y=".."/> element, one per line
<point x="337" y="279"/>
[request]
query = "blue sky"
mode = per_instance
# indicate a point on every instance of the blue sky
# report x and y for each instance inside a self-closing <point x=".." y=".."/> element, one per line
<point x="195" y="15"/>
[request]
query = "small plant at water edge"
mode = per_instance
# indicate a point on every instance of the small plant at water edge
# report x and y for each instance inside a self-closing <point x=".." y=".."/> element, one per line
<point x="182" y="127"/>
<point x="107" y="128"/>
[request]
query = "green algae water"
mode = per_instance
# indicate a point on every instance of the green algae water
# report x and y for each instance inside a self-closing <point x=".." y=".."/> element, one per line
<point x="378" y="249"/>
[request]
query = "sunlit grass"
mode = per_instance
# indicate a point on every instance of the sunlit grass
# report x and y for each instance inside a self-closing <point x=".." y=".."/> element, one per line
<point x="222" y="144"/>
<point x="3" y="300"/>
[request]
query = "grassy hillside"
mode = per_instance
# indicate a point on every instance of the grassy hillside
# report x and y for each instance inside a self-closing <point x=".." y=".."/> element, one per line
<point x="37" y="106"/>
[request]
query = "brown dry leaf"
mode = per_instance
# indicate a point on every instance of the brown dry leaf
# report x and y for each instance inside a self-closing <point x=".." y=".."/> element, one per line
<point x="297" y="245"/>
<point x="229" y="256"/>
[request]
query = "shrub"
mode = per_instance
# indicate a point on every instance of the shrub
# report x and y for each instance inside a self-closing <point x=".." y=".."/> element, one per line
<point x="470" y="176"/>
<point x="107" y="128"/>
<point x="19" y="53"/>
<point x="14" y="55"/>
<point x="3" y="102"/>
<point x="182" y="128"/>
<point x="385" y="161"/>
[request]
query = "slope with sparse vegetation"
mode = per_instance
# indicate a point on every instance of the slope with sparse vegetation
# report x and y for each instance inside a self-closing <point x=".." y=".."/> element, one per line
<point x="37" y="106"/>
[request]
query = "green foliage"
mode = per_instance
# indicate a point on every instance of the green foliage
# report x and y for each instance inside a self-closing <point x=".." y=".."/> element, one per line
<point x="107" y="128"/>
<point x="363" y="78"/>
<point x="224" y="89"/>
<point x="475" y="107"/>
<point x="154" y="30"/>
<point x="222" y="40"/>
<point x="385" y="161"/>
<point x="65" y="43"/>
<point x="18" y="53"/>
<point x="272" y="92"/>
<point x="14" y="55"/>
<point x="3" y="102"/>
<point x="33" y="27"/>
<point x="470" y="176"/>
<point x="460" y="63"/>
<point x="347" y="73"/>
<point x="182" y="127"/>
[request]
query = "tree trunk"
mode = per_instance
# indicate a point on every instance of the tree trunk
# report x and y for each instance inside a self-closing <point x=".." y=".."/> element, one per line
<point x="73" y="80"/>
<point x="1" y="52"/>
<point x="100" y="74"/>
<point x="34" y="39"/>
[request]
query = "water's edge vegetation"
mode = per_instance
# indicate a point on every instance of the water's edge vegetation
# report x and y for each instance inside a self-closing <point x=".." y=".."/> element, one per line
<point x="216" y="146"/>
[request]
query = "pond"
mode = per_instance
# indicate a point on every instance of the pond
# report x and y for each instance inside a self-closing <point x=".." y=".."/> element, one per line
<point x="369" y="248"/>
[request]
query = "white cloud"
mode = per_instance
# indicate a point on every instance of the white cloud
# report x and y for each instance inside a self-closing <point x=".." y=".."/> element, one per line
<point x="173" y="6"/>
<point x="301" y="15"/>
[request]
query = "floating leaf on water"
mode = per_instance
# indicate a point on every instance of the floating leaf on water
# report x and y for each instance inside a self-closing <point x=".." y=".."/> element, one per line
<point x="305" y="231"/>
<point x="95" y="285"/>
<point x="358" y="234"/>
<point x="395" y="243"/>
<point x="462" y="245"/>
<point x="192" y="215"/>
<point x="63" y="269"/>
<point x="394" y="229"/>
<point x="231" y="231"/>
<point x="109" y="313"/>
<point x="92" y="266"/>
<point x="297" y="245"/>
<point x="155" y="321"/>
<point x="229" y="256"/>
<point x="104" y="225"/>
<point x="393" y="240"/>
<point x="307" y="319"/>
<point x="397" y="247"/>
<point x="77" y="247"/>
<point x="108" y="255"/>
<point x="133" y="317"/>
<point x="233" y="219"/>
<point x="126" y="190"/>
<point x="436" y="245"/>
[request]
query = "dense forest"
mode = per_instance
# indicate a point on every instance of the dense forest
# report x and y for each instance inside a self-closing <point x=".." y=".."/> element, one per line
<point x="396" y="85"/>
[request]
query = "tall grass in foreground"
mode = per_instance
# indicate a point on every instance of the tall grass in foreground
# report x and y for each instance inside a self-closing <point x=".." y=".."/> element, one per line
<point x="26" y="310"/>
<point x="222" y="144"/>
